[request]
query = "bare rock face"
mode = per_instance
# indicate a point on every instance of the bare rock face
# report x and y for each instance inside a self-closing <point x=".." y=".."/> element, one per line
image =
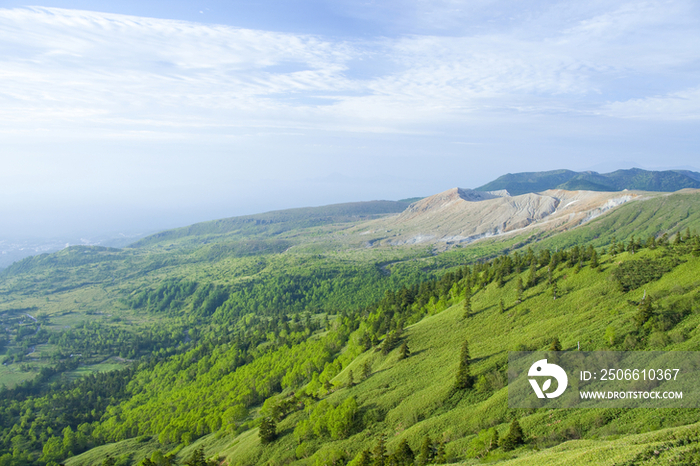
<point x="463" y="215"/>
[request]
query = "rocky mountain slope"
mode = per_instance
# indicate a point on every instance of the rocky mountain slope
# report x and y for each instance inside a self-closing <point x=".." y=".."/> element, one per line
<point x="461" y="216"/>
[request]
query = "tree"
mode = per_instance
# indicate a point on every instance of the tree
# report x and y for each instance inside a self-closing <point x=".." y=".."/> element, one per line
<point x="366" y="369"/>
<point x="464" y="378"/>
<point x="403" y="456"/>
<point x="268" y="430"/>
<point x="427" y="453"/>
<point x="555" y="290"/>
<point x="388" y="343"/>
<point x="519" y="290"/>
<point x="351" y="379"/>
<point x="52" y="450"/>
<point x="440" y="457"/>
<point x="501" y="306"/>
<point x="70" y="441"/>
<point x="494" y="440"/>
<point x="467" y="303"/>
<point x="365" y="458"/>
<point x="197" y="459"/>
<point x="514" y="437"/>
<point x="556" y="345"/>
<point x="404" y="352"/>
<point x="594" y="258"/>
<point x="379" y="452"/>
<point x="644" y="311"/>
<point x="532" y="276"/>
<point x="651" y="242"/>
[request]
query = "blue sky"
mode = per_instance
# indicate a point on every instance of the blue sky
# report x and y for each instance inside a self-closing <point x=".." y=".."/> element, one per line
<point x="144" y="115"/>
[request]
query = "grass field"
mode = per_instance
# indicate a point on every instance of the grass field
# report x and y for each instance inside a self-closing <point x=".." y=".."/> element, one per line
<point x="409" y="399"/>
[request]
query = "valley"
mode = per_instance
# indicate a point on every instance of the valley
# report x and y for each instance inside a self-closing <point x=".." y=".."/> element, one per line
<point x="191" y="340"/>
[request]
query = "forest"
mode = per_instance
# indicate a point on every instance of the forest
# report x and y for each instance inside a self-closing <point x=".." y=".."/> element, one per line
<point x="391" y="357"/>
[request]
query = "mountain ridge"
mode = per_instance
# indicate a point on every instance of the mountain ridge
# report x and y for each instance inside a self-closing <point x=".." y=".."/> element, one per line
<point x="619" y="180"/>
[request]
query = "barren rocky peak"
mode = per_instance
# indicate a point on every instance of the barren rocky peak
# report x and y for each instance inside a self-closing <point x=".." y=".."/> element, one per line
<point x="464" y="215"/>
<point x="448" y="199"/>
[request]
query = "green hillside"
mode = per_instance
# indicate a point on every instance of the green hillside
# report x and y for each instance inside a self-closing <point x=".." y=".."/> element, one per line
<point x="635" y="178"/>
<point x="528" y="182"/>
<point x="276" y="222"/>
<point x="337" y="416"/>
<point x="192" y="342"/>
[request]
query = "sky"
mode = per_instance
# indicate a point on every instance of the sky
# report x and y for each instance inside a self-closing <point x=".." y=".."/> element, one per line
<point x="143" y="115"/>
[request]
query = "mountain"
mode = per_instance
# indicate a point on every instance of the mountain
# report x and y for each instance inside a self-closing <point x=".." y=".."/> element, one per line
<point x="633" y="179"/>
<point x="459" y="216"/>
<point x="192" y="341"/>
<point x="370" y="392"/>
<point x="279" y="221"/>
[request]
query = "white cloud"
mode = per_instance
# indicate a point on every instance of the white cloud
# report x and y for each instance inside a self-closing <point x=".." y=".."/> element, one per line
<point x="682" y="105"/>
<point x="71" y="70"/>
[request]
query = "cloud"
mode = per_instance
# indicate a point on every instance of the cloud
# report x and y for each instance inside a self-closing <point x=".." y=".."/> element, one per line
<point x="682" y="105"/>
<point x="78" y="72"/>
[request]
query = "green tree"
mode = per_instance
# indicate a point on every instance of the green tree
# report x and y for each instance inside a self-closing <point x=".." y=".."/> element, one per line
<point x="493" y="442"/>
<point x="389" y="342"/>
<point x="70" y="441"/>
<point x="519" y="290"/>
<point x="427" y="453"/>
<point x="197" y="458"/>
<point x="651" y="242"/>
<point x="440" y="457"/>
<point x="501" y="306"/>
<point x="53" y="450"/>
<point x="467" y="307"/>
<point x="464" y="378"/>
<point x="366" y="369"/>
<point x="365" y="458"/>
<point x="514" y="437"/>
<point x="379" y="452"/>
<point x="268" y="430"/>
<point x="594" y="258"/>
<point x="351" y="379"/>
<point x="644" y="311"/>
<point x="556" y="345"/>
<point x="532" y="275"/>
<point x="404" y="456"/>
<point x="404" y="352"/>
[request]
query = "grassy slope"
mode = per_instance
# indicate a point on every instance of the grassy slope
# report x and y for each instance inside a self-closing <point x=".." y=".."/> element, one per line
<point x="152" y="265"/>
<point x="277" y="222"/>
<point x="413" y="393"/>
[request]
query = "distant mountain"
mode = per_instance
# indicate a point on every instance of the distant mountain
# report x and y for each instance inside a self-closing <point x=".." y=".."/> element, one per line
<point x="276" y="222"/>
<point x="461" y="216"/>
<point x="635" y="178"/>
